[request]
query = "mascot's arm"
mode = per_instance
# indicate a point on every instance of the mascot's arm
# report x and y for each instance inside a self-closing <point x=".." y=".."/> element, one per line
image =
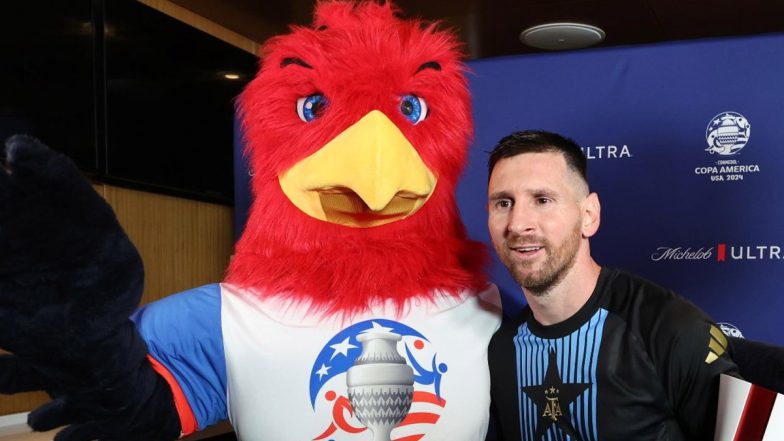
<point x="69" y="279"/>
<point x="184" y="339"/>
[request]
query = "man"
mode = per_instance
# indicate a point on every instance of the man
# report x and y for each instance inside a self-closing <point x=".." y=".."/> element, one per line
<point x="598" y="354"/>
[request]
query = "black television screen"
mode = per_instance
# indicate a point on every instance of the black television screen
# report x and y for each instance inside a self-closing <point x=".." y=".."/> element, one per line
<point x="169" y="103"/>
<point x="47" y="76"/>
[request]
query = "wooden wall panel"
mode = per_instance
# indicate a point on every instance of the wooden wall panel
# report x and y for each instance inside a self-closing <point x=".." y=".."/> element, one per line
<point x="183" y="243"/>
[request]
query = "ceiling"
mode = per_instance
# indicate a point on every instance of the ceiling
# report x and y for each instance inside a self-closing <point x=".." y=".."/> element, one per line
<point x="491" y="28"/>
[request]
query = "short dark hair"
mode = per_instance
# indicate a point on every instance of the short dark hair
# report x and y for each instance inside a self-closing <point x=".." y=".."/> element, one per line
<point x="539" y="141"/>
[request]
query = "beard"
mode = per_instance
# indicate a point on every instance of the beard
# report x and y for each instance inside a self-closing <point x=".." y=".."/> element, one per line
<point x="558" y="261"/>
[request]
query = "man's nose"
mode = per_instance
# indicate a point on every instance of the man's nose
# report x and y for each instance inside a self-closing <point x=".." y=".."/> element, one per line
<point x="521" y="220"/>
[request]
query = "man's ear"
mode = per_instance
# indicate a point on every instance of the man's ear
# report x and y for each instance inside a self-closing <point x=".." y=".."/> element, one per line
<point x="592" y="211"/>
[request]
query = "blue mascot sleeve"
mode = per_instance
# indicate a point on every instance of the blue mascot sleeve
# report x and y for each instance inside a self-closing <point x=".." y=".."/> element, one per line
<point x="183" y="334"/>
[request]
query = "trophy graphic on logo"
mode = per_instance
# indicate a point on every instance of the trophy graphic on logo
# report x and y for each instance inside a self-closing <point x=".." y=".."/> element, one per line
<point x="727" y="133"/>
<point x="380" y="384"/>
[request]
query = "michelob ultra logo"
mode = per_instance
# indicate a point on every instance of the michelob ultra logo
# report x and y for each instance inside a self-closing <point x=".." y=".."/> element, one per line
<point x="607" y="152"/>
<point x="680" y="253"/>
<point x="722" y="253"/>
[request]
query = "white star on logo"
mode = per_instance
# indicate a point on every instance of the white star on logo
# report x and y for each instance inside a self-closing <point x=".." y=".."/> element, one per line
<point x="323" y="371"/>
<point x="341" y="348"/>
<point x="376" y="328"/>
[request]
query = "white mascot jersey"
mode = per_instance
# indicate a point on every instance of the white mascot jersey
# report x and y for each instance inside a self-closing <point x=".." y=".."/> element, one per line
<point x="286" y="367"/>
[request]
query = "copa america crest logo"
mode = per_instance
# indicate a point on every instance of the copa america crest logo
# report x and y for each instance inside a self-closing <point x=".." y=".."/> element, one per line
<point x="730" y="330"/>
<point x="727" y="133"/>
<point x="331" y="399"/>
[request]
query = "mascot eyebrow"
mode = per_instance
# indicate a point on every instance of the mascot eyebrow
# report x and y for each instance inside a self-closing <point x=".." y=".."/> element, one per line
<point x="300" y="62"/>
<point x="429" y="65"/>
<point x="297" y="61"/>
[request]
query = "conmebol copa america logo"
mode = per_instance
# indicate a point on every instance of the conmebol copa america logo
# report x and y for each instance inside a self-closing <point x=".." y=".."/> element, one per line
<point x="730" y="330"/>
<point x="727" y="133"/>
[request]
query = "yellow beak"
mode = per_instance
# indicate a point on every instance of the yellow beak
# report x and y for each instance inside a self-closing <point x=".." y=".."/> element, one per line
<point x="368" y="175"/>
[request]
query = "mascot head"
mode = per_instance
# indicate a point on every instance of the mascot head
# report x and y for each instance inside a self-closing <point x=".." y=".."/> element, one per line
<point x="356" y="130"/>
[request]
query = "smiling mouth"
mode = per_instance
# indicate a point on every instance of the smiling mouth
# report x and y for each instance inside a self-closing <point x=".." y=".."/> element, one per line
<point x="525" y="251"/>
<point x="341" y="205"/>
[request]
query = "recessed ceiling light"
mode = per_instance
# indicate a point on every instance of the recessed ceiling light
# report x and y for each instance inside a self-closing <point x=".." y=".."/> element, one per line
<point x="231" y="76"/>
<point x="562" y="36"/>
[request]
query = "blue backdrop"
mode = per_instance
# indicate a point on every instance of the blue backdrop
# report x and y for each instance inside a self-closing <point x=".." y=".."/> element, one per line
<point x="684" y="144"/>
<point x="703" y="219"/>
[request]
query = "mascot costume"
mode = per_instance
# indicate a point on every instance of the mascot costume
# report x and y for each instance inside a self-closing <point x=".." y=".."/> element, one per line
<point x="354" y="304"/>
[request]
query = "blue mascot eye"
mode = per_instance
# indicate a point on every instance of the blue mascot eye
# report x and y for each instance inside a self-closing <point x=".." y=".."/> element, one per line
<point x="413" y="108"/>
<point x="311" y="107"/>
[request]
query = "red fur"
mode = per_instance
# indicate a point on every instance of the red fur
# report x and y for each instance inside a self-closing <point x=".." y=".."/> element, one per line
<point x="364" y="59"/>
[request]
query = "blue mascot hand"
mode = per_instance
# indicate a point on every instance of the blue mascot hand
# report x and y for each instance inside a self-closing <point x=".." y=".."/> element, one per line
<point x="69" y="279"/>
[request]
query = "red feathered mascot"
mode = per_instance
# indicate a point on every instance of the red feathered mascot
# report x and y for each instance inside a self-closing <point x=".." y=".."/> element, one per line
<point x="355" y="307"/>
<point x="357" y="132"/>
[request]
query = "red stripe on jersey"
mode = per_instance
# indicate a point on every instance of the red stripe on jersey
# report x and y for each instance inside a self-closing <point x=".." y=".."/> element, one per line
<point x="187" y="418"/>
<point x="756" y="412"/>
